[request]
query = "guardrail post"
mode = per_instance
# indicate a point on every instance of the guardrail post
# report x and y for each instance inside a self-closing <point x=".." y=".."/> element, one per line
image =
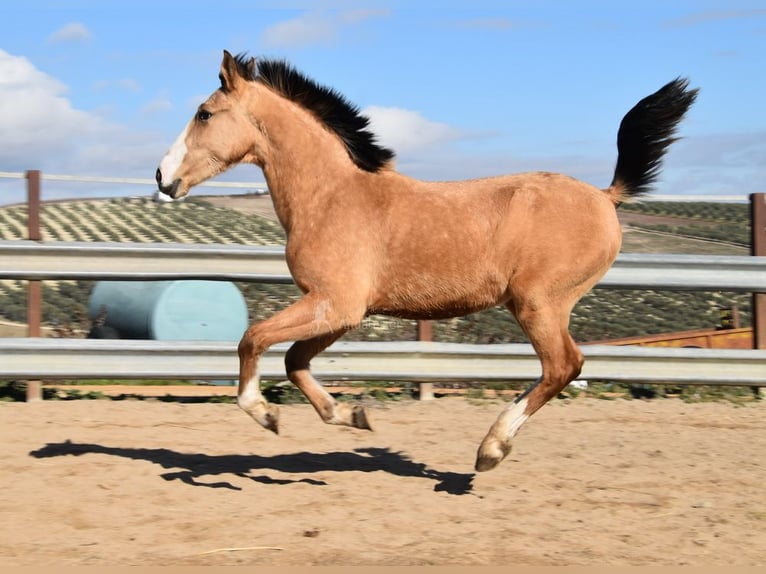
<point x="425" y="333"/>
<point x="34" y="288"/>
<point x="758" y="247"/>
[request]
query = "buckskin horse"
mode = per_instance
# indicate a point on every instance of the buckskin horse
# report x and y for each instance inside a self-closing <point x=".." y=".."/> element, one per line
<point x="365" y="239"/>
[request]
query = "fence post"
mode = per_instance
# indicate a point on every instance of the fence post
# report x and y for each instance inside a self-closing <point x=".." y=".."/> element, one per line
<point x="758" y="247"/>
<point x="34" y="288"/>
<point x="425" y="333"/>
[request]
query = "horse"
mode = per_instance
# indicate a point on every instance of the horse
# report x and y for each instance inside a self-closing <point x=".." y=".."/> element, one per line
<point x="364" y="239"/>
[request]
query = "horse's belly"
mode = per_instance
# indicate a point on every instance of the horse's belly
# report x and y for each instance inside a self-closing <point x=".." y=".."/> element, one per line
<point x="428" y="298"/>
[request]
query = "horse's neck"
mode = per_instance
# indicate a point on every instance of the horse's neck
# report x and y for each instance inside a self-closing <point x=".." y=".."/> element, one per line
<point x="304" y="163"/>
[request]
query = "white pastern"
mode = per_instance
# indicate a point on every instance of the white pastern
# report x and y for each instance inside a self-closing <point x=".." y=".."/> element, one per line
<point x="515" y="417"/>
<point x="173" y="159"/>
<point x="251" y="394"/>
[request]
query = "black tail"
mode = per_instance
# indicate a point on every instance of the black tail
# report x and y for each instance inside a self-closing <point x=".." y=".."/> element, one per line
<point x="645" y="133"/>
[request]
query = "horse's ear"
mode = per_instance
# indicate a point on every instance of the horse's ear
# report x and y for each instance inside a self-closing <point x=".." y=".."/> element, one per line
<point x="229" y="74"/>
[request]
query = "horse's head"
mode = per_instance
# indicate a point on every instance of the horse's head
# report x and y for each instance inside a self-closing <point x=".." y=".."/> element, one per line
<point x="220" y="135"/>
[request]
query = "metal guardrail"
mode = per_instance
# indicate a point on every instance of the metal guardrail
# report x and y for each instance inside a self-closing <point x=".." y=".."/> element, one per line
<point x="744" y="273"/>
<point x="84" y="260"/>
<point x="22" y="259"/>
<point x="36" y="358"/>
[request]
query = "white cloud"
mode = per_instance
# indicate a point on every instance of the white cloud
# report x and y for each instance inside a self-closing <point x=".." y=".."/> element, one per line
<point x="704" y="164"/>
<point x="42" y="130"/>
<point x="717" y="163"/>
<point x="406" y="131"/>
<point x="434" y="151"/>
<point x="72" y="32"/>
<point x="42" y="115"/>
<point x="431" y="150"/>
<point x="314" y="28"/>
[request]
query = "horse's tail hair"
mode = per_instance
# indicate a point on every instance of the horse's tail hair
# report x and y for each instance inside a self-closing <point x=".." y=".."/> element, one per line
<point x="645" y="133"/>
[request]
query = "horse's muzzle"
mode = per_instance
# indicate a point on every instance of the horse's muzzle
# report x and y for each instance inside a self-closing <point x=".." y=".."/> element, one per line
<point x="169" y="190"/>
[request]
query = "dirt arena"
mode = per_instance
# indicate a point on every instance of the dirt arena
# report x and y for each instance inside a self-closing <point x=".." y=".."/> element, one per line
<point x="590" y="482"/>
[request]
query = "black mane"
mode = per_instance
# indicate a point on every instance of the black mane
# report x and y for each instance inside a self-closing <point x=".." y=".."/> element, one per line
<point x="330" y="107"/>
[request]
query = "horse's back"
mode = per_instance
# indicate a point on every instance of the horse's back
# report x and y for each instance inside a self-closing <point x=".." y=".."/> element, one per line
<point x="535" y="211"/>
<point x="457" y="247"/>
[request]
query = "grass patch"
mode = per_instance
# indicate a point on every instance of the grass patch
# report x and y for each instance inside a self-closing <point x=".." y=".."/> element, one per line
<point x="77" y="395"/>
<point x="282" y="393"/>
<point x="687" y="393"/>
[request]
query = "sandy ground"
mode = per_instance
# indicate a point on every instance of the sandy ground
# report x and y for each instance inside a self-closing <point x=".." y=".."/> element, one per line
<point x="589" y="482"/>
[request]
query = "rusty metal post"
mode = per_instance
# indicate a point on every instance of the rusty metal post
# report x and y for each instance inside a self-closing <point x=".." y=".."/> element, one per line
<point x="34" y="288"/>
<point x="425" y="333"/>
<point x="425" y="330"/>
<point x="758" y="248"/>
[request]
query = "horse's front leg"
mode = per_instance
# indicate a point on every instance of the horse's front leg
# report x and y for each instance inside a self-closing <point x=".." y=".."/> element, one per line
<point x="313" y="322"/>
<point x="249" y="397"/>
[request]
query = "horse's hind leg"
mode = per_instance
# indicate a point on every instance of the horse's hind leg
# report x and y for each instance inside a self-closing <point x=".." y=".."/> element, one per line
<point x="297" y="361"/>
<point x="547" y="329"/>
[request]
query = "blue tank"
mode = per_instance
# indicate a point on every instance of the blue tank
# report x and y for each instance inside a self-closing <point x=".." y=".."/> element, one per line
<point x="168" y="310"/>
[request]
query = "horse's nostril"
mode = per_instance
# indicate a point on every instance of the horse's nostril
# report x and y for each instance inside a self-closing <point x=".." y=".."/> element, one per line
<point x="158" y="176"/>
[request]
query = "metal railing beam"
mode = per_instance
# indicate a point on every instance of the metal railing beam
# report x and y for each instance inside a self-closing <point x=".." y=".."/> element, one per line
<point x="25" y="358"/>
<point x="137" y="261"/>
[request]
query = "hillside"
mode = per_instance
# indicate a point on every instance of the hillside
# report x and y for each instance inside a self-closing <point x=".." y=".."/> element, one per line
<point x="702" y="228"/>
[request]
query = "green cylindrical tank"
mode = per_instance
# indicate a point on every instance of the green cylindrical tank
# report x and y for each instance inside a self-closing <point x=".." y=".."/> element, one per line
<point x="170" y="310"/>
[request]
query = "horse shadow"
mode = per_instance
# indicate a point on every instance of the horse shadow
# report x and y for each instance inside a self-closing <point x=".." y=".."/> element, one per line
<point x="195" y="466"/>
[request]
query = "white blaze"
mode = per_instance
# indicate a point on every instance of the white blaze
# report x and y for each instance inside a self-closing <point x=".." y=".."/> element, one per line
<point x="173" y="159"/>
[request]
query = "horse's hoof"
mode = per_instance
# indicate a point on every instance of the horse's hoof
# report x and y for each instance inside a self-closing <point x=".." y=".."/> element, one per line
<point x="484" y="463"/>
<point x="359" y="418"/>
<point x="347" y="415"/>
<point x="271" y="419"/>
<point x="491" y="453"/>
<point x="267" y="416"/>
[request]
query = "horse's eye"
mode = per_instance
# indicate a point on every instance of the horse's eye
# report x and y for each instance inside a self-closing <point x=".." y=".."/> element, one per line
<point x="204" y="115"/>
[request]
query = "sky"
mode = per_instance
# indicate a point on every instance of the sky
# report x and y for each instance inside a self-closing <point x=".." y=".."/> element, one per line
<point x="457" y="89"/>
